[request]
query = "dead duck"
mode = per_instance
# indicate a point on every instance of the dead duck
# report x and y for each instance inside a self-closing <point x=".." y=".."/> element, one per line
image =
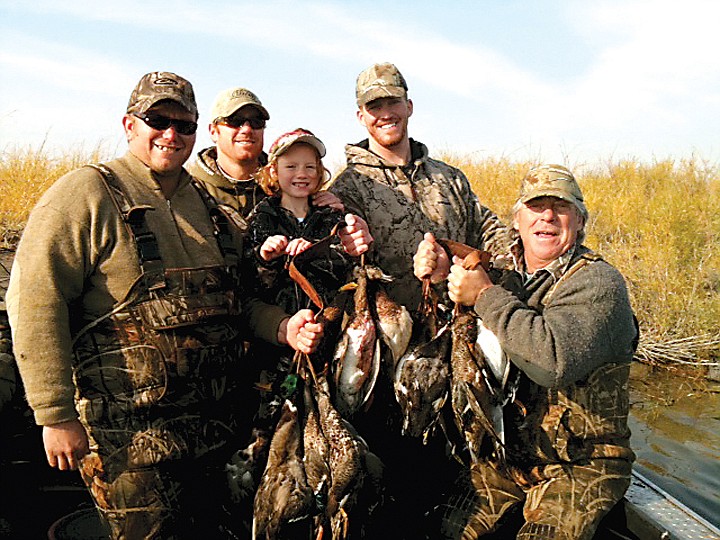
<point x="474" y="391"/>
<point x="394" y="320"/>
<point x="346" y="459"/>
<point x="421" y="374"/>
<point x="472" y="398"/>
<point x="356" y="362"/>
<point x="316" y="448"/>
<point x="284" y="502"/>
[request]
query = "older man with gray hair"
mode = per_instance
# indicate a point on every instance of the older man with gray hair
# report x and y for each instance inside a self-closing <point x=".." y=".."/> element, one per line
<point x="568" y="330"/>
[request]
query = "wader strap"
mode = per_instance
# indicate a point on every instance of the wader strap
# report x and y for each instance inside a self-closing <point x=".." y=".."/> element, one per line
<point x="582" y="262"/>
<point x="133" y="216"/>
<point x="221" y="226"/>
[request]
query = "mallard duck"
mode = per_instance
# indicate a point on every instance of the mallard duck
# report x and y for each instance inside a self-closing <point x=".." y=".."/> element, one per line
<point x="394" y="320"/>
<point x="356" y="362"/>
<point x="421" y="374"/>
<point x="350" y="460"/>
<point x="284" y="502"/>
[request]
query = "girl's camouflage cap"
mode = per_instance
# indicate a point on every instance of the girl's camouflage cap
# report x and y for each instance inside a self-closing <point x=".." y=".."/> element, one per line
<point x="379" y="81"/>
<point x="285" y="141"/>
<point x="158" y="86"/>
<point x="552" y="181"/>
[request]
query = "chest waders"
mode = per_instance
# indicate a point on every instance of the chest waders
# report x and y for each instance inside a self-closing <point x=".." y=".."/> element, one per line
<point x="569" y="461"/>
<point x="155" y="377"/>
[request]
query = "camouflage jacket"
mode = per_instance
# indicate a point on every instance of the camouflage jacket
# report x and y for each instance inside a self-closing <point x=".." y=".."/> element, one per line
<point x="325" y="274"/>
<point x="401" y="203"/>
<point x="571" y="331"/>
<point x="242" y="195"/>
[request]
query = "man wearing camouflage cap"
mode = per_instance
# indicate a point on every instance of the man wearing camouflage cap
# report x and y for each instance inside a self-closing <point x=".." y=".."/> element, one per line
<point x="125" y="304"/>
<point x="568" y="334"/>
<point x="227" y="169"/>
<point x="392" y="183"/>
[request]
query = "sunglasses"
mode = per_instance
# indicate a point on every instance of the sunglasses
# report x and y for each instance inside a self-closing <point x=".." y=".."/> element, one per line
<point x="240" y="121"/>
<point x="161" y="123"/>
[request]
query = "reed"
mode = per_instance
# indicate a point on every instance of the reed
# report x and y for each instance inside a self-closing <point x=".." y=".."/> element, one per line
<point x="25" y="174"/>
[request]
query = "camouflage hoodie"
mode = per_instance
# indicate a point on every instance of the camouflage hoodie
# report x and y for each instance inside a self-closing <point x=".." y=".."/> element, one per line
<point x="401" y="203"/>
<point x="242" y="195"/>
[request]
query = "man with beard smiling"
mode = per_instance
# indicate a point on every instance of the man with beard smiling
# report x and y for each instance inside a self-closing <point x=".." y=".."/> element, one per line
<point x="404" y="195"/>
<point x="126" y="308"/>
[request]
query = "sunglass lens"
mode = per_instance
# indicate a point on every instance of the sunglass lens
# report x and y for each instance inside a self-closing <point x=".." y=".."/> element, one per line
<point x="186" y="127"/>
<point x="239" y="121"/>
<point x="161" y="123"/>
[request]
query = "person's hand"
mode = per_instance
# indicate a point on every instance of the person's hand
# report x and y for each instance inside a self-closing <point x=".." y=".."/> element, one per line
<point x="297" y="245"/>
<point x="326" y="198"/>
<point x="273" y="247"/>
<point x="301" y="331"/>
<point x="66" y="443"/>
<point x="464" y="286"/>
<point x="355" y="236"/>
<point x="431" y="260"/>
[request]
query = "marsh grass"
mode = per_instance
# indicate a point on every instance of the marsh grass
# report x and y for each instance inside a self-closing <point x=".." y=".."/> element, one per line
<point x="25" y="174"/>
<point x="658" y="223"/>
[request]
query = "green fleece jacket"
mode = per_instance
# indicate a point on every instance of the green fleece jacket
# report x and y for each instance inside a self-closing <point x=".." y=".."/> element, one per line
<point x="242" y="195"/>
<point x="571" y="331"/>
<point x="76" y="261"/>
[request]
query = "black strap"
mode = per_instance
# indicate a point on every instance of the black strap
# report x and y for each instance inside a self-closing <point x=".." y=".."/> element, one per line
<point x="222" y="227"/>
<point x="133" y="216"/>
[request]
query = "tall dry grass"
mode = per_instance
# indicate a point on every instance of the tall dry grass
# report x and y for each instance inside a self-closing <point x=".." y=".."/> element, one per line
<point x="25" y="174"/>
<point x="658" y="223"/>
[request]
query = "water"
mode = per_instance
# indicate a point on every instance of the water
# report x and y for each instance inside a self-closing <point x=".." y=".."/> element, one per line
<point x="675" y="423"/>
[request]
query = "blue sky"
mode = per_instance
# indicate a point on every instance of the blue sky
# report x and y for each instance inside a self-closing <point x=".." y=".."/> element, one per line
<point x="575" y="82"/>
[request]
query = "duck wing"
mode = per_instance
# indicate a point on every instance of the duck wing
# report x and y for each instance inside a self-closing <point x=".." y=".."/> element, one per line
<point x="395" y="324"/>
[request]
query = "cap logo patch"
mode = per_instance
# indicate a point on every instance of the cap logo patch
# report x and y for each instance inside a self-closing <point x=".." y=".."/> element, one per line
<point x="242" y="93"/>
<point x="164" y="81"/>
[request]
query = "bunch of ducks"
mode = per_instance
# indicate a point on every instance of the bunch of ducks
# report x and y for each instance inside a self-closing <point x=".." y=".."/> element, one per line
<point x="321" y="479"/>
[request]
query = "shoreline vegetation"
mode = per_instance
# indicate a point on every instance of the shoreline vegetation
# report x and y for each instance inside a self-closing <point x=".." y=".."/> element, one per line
<point x="657" y="222"/>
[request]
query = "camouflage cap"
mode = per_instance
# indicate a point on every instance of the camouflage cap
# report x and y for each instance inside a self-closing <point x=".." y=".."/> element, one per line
<point x="158" y="86"/>
<point x="232" y="100"/>
<point x="552" y="181"/>
<point x="283" y="143"/>
<point x="378" y="81"/>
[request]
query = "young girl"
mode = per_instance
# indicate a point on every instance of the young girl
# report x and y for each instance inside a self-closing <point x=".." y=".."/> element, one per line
<point x="281" y="226"/>
<point x="288" y="222"/>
